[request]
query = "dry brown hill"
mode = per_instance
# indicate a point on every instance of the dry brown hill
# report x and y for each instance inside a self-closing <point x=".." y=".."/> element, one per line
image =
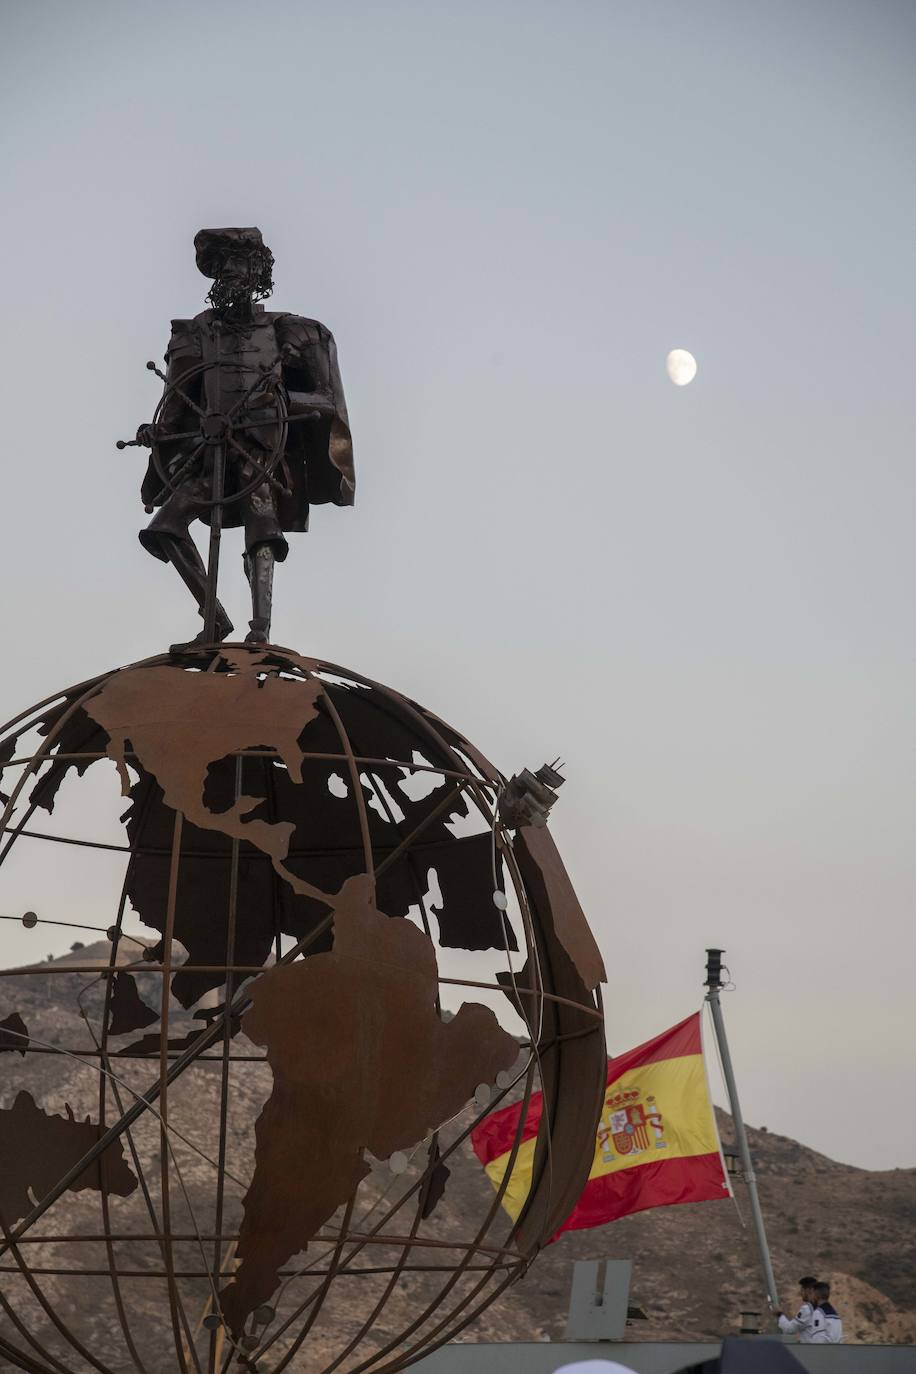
<point x="694" y="1266"/>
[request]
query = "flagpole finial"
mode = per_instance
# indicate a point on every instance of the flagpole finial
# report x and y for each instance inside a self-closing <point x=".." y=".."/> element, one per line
<point x="714" y="968"/>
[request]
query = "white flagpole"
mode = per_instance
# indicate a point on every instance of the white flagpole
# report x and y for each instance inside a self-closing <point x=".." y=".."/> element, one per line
<point x="713" y="984"/>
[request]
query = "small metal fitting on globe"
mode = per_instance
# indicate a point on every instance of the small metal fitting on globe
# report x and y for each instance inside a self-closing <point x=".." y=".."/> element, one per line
<point x="500" y="900"/>
<point x="528" y="797"/>
<point x="398" y="1162"/>
<point x="213" y="1322"/>
<point x="30" y="920"/>
<point x="250" y="1342"/>
<point x="150" y="955"/>
<point x="263" y="1315"/>
<point x="111" y="933"/>
<point x="504" y="1079"/>
<point x="482" y="1094"/>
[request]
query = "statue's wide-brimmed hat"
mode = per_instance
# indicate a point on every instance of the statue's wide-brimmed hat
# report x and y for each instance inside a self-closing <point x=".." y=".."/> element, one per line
<point x="211" y="245"/>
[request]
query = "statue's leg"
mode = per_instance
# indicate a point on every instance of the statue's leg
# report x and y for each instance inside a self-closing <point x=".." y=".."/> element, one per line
<point x="265" y="545"/>
<point x="185" y="558"/>
<point x="259" y="569"/>
<point x="168" y="537"/>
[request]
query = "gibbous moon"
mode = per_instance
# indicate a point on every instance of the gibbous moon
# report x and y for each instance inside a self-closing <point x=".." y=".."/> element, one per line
<point x="681" y="366"/>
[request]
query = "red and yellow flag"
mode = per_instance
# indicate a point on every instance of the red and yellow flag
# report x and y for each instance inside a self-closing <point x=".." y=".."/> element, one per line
<point x="657" y="1140"/>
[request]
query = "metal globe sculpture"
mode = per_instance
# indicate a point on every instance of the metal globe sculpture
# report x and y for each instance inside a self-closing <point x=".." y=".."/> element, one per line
<point x="230" y="1141"/>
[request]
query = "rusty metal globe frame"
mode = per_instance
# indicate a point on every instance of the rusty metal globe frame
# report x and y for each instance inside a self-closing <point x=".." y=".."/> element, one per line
<point x="558" y="998"/>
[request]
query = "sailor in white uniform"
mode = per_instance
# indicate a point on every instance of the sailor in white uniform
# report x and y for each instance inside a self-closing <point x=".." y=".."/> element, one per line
<point x="808" y="1322"/>
<point x="832" y="1330"/>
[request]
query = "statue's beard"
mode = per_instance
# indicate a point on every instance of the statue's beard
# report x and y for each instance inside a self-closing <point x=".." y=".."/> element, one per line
<point x="232" y="297"/>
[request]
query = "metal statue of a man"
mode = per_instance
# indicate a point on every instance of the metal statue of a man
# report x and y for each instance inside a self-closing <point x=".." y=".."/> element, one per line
<point x="251" y="430"/>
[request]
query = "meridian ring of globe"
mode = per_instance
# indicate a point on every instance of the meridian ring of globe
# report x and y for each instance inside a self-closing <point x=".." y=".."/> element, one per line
<point x="504" y="1264"/>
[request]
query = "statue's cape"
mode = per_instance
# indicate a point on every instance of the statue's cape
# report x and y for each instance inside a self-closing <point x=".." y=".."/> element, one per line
<point x="318" y="454"/>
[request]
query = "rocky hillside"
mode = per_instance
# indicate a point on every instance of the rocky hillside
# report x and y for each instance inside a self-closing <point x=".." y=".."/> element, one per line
<point x="694" y="1266"/>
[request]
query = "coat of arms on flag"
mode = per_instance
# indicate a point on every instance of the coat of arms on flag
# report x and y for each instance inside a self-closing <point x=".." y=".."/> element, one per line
<point x="657" y="1142"/>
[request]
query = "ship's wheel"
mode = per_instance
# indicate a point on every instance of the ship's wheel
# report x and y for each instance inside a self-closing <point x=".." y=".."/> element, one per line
<point x="221" y="431"/>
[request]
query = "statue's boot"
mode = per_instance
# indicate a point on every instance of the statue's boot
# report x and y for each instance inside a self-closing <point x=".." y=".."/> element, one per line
<point x="185" y="558"/>
<point x="259" y="569"/>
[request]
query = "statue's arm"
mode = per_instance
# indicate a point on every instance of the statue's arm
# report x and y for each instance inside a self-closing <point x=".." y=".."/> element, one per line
<point x="306" y="369"/>
<point x="180" y="386"/>
<point x="181" y="358"/>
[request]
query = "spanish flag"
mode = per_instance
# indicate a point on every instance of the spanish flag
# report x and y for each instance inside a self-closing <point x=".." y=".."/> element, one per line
<point x="657" y="1140"/>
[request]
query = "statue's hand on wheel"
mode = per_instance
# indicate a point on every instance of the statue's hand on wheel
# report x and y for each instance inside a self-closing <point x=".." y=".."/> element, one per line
<point x="146" y="436"/>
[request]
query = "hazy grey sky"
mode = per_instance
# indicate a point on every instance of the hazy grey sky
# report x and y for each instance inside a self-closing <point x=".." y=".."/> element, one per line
<point x="701" y="598"/>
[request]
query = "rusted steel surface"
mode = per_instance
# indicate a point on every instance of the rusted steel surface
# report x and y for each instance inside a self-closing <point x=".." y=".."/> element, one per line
<point x="14" y="1034"/>
<point x="181" y="723"/>
<point x="551" y="891"/>
<point x="128" y="1011"/>
<point x="385" y="1067"/>
<point x="433" y="1190"/>
<point x="37" y="1147"/>
<point x="309" y="846"/>
<point x="572" y="1066"/>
